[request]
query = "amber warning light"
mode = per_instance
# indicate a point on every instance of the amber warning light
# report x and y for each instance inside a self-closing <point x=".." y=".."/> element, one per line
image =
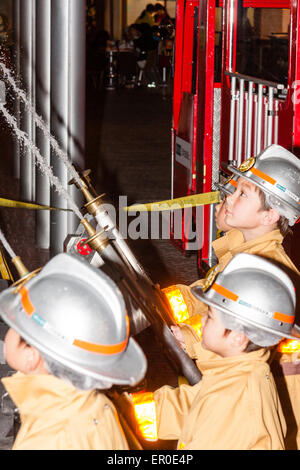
<point x="145" y="412"/>
<point x="177" y="303"/>
<point x="180" y="310"/>
<point x="289" y="346"/>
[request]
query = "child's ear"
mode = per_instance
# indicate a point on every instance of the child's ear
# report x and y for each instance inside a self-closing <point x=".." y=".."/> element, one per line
<point x="270" y="217"/>
<point x="33" y="359"/>
<point x="239" y="340"/>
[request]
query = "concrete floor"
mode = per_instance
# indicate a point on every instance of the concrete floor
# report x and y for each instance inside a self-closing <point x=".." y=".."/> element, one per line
<point x="128" y="148"/>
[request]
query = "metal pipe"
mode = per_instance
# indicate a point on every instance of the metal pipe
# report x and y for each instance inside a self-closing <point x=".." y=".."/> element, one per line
<point x="276" y="122"/>
<point x="259" y="118"/>
<point x="255" y="122"/>
<point x="240" y="122"/>
<point x="212" y="234"/>
<point x="26" y="71"/>
<point x="237" y="112"/>
<point x="16" y="56"/>
<point x="66" y="81"/>
<point x="231" y="26"/>
<point x="59" y="116"/>
<point x="172" y="175"/>
<point x="270" y="115"/>
<point x="77" y="82"/>
<point x="249" y="118"/>
<point x="232" y="117"/>
<point x="43" y="109"/>
<point x="246" y="121"/>
<point x="265" y="102"/>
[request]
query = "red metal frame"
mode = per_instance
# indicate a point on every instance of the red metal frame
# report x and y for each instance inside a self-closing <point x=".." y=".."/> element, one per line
<point x="201" y="124"/>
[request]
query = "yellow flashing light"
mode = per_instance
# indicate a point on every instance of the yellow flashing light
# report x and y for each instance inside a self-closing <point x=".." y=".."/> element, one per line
<point x="289" y="346"/>
<point x="145" y="412"/>
<point x="177" y="303"/>
<point x="196" y="323"/>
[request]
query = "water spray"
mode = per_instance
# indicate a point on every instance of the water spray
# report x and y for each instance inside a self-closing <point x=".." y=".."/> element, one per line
<point x="41" y="124"/>
<point x="46" y="170"/>
<point x="96" y="240"/>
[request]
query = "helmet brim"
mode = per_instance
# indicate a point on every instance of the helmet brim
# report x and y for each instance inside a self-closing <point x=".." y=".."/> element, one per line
<point x="199" y="294"/>
<point x="223" y="189"/>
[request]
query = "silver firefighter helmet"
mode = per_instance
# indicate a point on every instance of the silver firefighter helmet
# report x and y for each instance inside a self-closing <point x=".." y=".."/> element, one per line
<point x="75" y="314"/>
<point x="276" y="171"/>
<point x="255" y="293"/>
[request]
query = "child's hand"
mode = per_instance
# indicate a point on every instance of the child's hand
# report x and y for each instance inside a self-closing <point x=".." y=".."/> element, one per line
<point x="176" y="330"/>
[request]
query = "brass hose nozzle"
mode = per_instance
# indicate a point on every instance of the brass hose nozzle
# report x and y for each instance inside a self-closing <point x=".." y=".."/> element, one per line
<point x="93" y="201"/>
<point x="85" y="181"/>
<point x="23" y="272"/>
<point x="21" y="268"/>
<point x="98" y="241"/>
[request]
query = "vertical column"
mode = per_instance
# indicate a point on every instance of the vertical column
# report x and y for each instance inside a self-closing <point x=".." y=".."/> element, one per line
<point x="259" y="118"/>
<point x="249" y="119"/>
<point x="232" y="118"/>
<point x="43" y="108"/>
<point x="276" y="105"/>
<point x="77" y="81"/>
<point x="270" y="116"/>
<point x="240" y="122"/>
<point x="16" y="39"/>
<point x="67" y="103"/>
<point x="59" y="116"/>
<point x="26" y="72"/>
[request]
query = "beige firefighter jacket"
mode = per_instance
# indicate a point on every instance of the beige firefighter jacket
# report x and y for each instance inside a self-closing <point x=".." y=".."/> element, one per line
<point x="57" y="416"/>
<point x="286" y="366"/>
<point x="268" y="246"/>
<point x="234" y="406"/>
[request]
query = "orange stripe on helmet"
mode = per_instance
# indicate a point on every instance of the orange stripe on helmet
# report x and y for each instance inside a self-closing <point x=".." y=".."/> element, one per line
<point x="225" y="292"/>
<point x="106" y="349"/>
<point x="233" y="182"/>
<point x="26" y="302"/>
<point x="262" y="175"/>
<point x="283" y="317"/>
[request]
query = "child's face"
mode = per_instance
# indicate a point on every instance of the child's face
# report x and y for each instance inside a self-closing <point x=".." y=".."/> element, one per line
<point x="220" y="216"/>
<point x="243" y="207"/>
<point x="213" y="333"/>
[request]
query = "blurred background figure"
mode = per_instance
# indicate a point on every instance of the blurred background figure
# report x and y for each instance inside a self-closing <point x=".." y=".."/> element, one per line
<point x="161" y="17"/>
<point x="147" y="16"/>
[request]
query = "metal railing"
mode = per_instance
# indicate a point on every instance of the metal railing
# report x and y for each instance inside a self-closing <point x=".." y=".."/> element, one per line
<point x="253" y="115"/>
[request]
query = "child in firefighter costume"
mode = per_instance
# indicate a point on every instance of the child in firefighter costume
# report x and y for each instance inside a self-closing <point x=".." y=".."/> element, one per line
<point x="68" y="336"/>
<point x="262" y="200"/>
<point x="251" y="307"/>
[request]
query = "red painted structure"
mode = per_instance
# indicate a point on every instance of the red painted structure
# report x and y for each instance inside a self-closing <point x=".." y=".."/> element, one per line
<point x="209" y="127"/>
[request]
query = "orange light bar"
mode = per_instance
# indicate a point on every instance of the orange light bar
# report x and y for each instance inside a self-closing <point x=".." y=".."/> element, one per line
<point x="145" y="412"/>
<point x="196" y="323"/>
<point x="177" y="303"/>
<point x="289" y="346"/>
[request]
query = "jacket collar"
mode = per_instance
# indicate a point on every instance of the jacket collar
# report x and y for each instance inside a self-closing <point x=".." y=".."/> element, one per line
<point x="211" y="363"/>
<point x="234" y="240"/>
<point x="26" y="392"/>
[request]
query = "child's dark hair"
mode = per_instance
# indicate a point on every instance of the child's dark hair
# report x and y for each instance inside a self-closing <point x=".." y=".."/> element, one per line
<point x="283" y="223"/>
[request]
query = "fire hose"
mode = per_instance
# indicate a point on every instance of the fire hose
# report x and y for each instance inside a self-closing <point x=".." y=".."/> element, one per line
<point x="148" y="304"/>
